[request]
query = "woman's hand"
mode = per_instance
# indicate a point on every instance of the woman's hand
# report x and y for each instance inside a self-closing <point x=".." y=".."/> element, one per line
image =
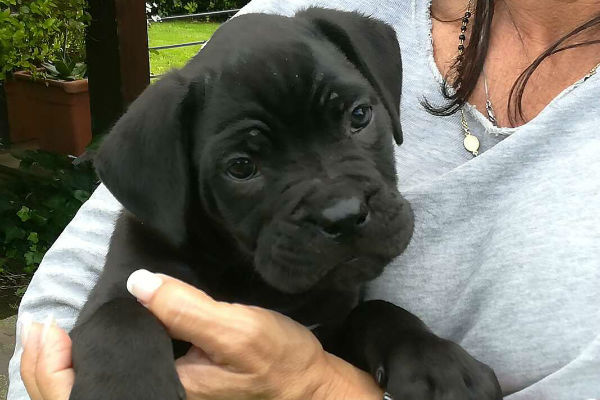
<point x="238" y="351"/>
<point x="46" y="360"/>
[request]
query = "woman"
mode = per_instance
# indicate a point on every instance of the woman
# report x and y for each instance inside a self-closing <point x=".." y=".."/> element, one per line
<point x="505" y="259"/>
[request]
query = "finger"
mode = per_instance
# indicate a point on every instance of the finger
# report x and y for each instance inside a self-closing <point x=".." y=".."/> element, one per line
<point x="190" y="314"/>
<point x="30" y="339"/>
<point x="54" y="372"/>
<point x="203" y="379"/>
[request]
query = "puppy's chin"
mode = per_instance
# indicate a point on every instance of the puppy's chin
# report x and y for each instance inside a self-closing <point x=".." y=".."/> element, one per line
<point x="347" y="275"/>
<point x="289" y="279"/>
<point x="353" y="273"/>
<point x="296" y="270"/>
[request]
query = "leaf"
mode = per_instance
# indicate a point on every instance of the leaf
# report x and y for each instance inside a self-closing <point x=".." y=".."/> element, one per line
<point x="51" y="69"/>
<point x="18" y="36"/>
<point x="24" y="214"/>
<point x="62" y="67"/>
<point x="81" y="195"/>
<point x="12" y="233"/>
<point x="33" y="237"/>
<point x="80" y="70"/>
<point x="39" y="219"/>
<point x="55" y="202"/>
<point x="49" y="23"/>
<point x="38" y="256"/>
<point x="29" y="258"/>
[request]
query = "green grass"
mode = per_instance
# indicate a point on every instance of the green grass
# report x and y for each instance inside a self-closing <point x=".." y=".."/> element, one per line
<point x="164" y="33"/>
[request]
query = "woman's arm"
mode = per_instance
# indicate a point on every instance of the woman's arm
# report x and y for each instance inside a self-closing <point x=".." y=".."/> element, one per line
<point x="68" y="272"/>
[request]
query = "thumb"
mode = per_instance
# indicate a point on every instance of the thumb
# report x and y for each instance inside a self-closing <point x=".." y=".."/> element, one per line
<point x="188" y="313"/>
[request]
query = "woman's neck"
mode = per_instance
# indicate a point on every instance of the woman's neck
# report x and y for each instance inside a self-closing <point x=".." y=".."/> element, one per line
<point x="538" y="21"/>
<point x="521" y="30"/>
<point x="542" y="22"/>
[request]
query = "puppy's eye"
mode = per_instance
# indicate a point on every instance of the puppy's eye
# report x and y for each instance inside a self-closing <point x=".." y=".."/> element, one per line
<point x="360" y="117"/>
<point x="241" y="168"/>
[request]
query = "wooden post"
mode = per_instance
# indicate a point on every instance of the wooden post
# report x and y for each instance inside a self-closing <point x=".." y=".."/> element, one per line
<point x="3" y="115"/>
<point x="117" y="57"/>
<point x="133" y="48"/>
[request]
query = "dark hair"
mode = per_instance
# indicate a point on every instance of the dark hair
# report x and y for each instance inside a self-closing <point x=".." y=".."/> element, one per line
<point x="464" y="73"/>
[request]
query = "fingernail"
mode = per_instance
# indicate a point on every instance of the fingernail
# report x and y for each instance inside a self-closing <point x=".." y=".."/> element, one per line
<point x="48" y="322"/>
<point x="142" y="284"/>
<point x="25" y="321"/>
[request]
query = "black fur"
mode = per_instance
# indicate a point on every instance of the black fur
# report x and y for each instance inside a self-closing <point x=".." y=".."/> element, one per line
<point x="320" y="217"/>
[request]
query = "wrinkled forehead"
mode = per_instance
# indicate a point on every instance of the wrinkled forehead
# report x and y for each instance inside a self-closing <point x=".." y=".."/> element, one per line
<point x="288" y="81"/>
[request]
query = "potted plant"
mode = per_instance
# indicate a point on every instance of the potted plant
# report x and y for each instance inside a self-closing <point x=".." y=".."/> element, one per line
<point x="56" y="109"/>
<point x="47" y="96"/>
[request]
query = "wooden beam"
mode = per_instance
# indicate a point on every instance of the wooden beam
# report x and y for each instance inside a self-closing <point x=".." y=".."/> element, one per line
<point x="3" y="115"/>
<point x="133" y="48"/>
<point x="104" y="73"/>
<point x="117" y="57"/>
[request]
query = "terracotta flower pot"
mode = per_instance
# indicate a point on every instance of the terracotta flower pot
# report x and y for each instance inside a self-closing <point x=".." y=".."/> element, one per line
<point x="56" y="113"/>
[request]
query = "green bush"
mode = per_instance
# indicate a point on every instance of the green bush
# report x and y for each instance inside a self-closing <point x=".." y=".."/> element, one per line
<point x="166" y="8"/>
<point x="36" y="203"/>
<point x="37" y="31"/>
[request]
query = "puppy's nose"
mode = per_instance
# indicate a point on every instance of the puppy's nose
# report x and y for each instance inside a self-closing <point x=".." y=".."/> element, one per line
<point x="343" y="217"/>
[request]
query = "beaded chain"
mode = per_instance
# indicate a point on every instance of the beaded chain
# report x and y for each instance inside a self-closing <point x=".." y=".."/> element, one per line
<point x="463" y="29"/>
<point x="471" y="142"/>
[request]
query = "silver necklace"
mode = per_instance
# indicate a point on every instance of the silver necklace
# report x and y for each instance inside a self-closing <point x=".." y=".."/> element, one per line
<point x="471" y="142"/>
<point x="488" y="101"/>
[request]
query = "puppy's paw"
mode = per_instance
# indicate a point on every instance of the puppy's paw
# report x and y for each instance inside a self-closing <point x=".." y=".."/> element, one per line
<point x="145" y="383"/>
<point x="426" y="367"/>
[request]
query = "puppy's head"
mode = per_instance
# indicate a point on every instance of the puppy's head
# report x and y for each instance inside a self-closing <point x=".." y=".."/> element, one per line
<point x="281" y="132"/>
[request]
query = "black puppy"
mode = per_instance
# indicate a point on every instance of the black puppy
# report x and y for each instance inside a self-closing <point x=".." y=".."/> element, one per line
<point x="263" y="173"/>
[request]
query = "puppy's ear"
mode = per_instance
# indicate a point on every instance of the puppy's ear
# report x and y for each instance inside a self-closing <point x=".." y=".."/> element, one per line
<point x="369" y="44"/>
<point x="144" y="160"/>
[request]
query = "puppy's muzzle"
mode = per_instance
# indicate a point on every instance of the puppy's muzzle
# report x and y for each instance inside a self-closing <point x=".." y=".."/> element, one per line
<point x="343" y="217"/>
<point x="337" y="215"/>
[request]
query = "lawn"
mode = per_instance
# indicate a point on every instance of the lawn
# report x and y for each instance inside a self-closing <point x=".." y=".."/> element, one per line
<point x="165" y="33"/>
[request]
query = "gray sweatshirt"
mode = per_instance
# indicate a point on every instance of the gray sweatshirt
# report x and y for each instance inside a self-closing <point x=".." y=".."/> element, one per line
<point x="505" y="258"/>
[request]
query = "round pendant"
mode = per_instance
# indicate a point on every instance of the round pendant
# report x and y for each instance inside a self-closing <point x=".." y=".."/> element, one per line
<point x="471" y="144"/>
